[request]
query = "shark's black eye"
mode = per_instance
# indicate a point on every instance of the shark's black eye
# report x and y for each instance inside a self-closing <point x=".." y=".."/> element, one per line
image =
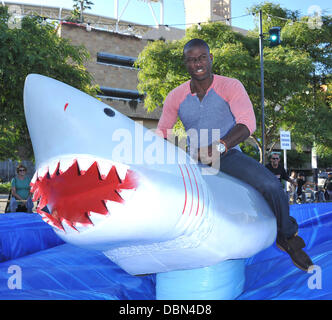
<point x="109" y="112"/>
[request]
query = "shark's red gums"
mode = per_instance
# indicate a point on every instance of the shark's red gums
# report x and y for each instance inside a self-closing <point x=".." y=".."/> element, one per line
<point x="72" y="195"/>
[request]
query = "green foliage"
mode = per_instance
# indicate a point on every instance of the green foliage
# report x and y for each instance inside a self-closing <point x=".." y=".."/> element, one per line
<point x="78" y="8"/>
<point x="296" y="159"/>
<point x="75" y="16"/>
<point x="158" y="79"/>
<point x="250" y="150"/>
<point x="5" y="187"/>
<point x="304" y="62"/>
<point x="271" y="15"/>
<point x="8" y="140"/>
<point x="82" y="4"/>
<point x="34" y="48"/>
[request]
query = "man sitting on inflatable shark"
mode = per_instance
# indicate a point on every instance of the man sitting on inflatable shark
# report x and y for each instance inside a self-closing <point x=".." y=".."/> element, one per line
<point x="105" y="182"/>
<point x="217" y="110"/>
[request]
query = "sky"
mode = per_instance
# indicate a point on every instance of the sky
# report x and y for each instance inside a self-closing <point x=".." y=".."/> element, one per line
<point x="137" y="11"/>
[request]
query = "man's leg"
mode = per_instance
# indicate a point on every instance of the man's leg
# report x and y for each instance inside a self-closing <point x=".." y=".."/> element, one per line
<point x="247" y="169"/>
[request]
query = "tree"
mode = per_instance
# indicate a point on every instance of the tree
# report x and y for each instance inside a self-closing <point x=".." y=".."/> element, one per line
<point x="79" y="7"/>
<point x="34" y="48"/>
<point x="289" y="70"/>
<point x="306" y="113"/>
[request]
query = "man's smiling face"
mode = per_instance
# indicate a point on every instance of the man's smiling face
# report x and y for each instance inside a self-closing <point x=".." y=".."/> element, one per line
<point x="198" y="61"/>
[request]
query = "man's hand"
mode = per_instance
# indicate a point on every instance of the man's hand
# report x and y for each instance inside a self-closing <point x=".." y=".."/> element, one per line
<point x="209" y="154"/>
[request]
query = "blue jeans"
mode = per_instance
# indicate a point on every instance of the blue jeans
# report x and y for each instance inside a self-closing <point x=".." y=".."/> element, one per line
<point x="237" y="164"/>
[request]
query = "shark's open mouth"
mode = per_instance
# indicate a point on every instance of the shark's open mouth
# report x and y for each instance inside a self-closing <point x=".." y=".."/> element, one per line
<point x="72" y="191"/>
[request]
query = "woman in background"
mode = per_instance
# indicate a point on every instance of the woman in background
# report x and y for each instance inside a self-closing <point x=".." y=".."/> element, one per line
<point x="21" y="196"/>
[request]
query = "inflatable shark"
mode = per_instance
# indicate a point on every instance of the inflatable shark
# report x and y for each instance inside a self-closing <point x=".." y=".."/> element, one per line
<point x="105" y="182"/>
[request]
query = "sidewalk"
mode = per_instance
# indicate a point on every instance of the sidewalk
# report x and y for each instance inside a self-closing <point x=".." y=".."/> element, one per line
<point x="3" y="203"/>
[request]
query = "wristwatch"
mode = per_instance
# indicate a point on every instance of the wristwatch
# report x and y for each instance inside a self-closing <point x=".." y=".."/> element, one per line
<point x="221" y="148"/>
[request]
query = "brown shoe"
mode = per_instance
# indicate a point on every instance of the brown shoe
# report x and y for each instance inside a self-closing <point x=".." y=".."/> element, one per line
<point x="293" y="246"/>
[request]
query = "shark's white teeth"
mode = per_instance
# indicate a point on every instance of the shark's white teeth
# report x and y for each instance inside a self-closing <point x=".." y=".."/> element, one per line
<point x="65" y="164"/>
<point x="113" y="207"/>
<point x="41" y="172"/>
<point x="80" y="227"/>
<point x="51" y="223"/>
<point x="67" y="226"/>
<point x="52" y="167"/>
<point x="96" y="217"/>
<point x="126" y="194"/>
<point x="121" y="170"/>
<point x="84" y="164"/>
<point x="104" y="168"/>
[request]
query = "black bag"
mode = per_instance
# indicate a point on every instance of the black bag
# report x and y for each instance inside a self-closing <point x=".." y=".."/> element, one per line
<point x="21" y="208"/>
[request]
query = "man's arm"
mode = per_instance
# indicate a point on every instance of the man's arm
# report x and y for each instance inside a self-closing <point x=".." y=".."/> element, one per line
<point x="238" y="134"/>
<point x="169" y="113"/>
<point x="243" y="111"/>
<point x="286" y="177"/>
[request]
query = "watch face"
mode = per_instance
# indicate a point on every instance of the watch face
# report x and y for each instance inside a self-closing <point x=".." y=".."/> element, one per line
<point x="221" y="148"/>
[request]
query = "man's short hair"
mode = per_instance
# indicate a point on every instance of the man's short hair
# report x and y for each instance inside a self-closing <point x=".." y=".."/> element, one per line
<point x="195" y="43"/>
<point x="274" y="154"/>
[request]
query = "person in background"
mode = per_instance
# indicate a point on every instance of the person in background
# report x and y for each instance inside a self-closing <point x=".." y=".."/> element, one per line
<point x="292" y="188"/>
<point x="278" y="170"/>
<point x="21" y="197"/>
<point x="328" y="187"/>
<point x="303" y="187"/>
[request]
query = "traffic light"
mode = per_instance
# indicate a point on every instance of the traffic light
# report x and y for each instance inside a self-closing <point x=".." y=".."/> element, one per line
<point x="274" y="36"/>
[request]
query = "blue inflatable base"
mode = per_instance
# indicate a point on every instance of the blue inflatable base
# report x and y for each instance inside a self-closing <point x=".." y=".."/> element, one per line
<point x="36" y="265"/>
<point x="222" y="281"/>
